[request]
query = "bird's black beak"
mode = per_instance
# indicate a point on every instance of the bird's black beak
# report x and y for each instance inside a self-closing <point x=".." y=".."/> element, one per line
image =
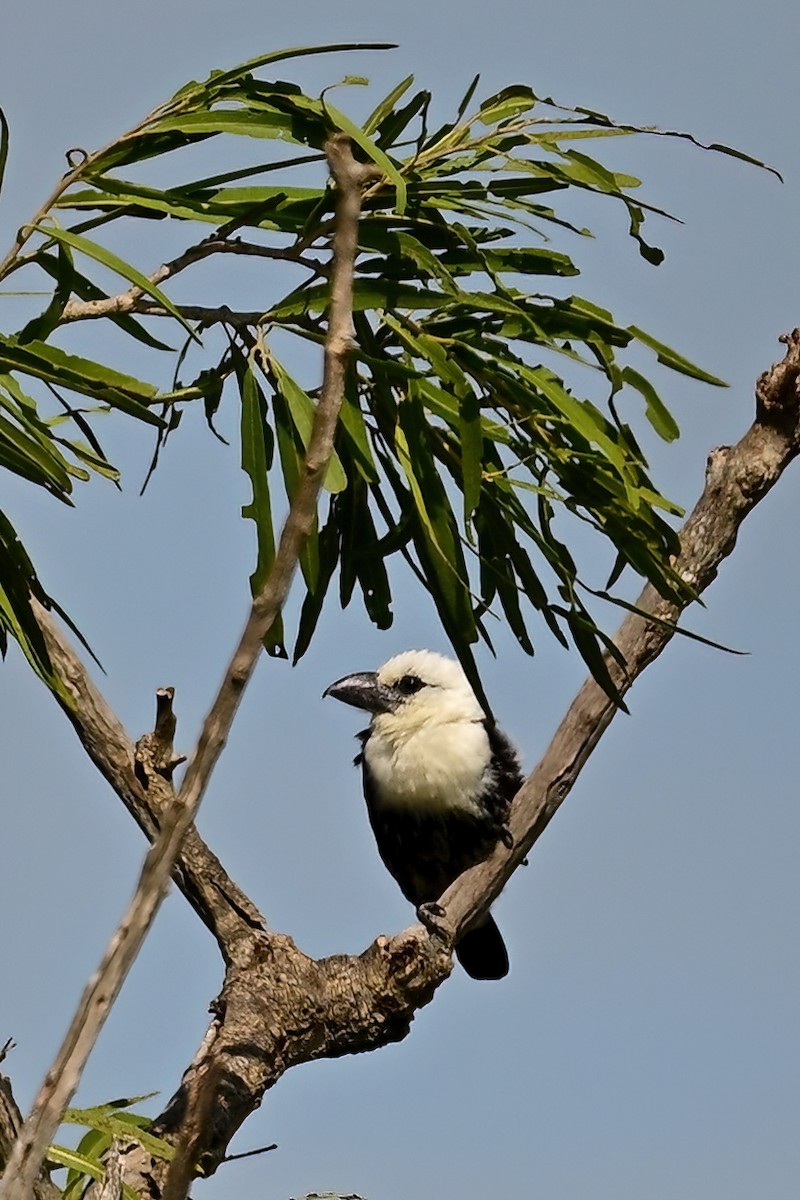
<point x="363" y="690"/>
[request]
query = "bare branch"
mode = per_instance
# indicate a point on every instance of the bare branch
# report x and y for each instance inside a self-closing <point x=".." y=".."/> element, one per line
<point x="103" y="988"/>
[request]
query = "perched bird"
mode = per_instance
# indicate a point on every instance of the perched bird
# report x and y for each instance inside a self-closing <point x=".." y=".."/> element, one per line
<point x="439" y="778"/>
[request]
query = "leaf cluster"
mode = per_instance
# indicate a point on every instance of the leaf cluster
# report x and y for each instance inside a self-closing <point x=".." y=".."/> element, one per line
<point x="465" y="431"/>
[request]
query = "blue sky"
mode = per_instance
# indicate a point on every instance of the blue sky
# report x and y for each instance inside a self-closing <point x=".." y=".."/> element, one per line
<point x="645" y="1043"/>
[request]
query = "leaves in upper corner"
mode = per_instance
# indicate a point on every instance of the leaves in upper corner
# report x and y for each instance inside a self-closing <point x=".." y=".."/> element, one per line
<point x="485" y="406"/>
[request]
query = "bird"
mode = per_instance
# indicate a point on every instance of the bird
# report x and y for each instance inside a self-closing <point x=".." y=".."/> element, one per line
<point x="439" y="778"/>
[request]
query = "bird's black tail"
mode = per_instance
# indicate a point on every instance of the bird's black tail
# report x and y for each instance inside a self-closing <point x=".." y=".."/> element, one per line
<point x="482" y="952"/>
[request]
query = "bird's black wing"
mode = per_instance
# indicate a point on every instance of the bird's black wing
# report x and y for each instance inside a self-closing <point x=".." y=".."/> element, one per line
<point x="505" y="776"/>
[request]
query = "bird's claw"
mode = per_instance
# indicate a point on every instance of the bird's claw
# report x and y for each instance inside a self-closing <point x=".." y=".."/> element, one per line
<point x="506" y="837"/>
<point x="432" y="915"/>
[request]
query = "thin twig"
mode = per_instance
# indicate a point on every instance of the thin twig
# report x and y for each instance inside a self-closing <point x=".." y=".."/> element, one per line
<point x="102" y="989"/>
<point x="250" y="1153"/>
<point x="133" y="300"/>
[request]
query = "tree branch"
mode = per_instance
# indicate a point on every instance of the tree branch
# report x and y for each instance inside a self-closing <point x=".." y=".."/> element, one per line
<point x="102" y="989"/>
<point x="135" y="298"/>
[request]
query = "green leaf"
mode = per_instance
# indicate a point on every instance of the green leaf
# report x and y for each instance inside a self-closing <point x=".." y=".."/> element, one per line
<point x="33" y="457"/>
<point x="656" y="411"/>
<point x="395" y="123"/>
<point x="257" y="453"/>
<point x="471" y="451"/>
<point x="55" y="366"/>
<point x="351" y="420"/>
<point x="87" y="1166"/>
<point x="92" y="1146"/>
<point x="373" y="152"/>
<point x="585" y="635"/>
<point x="511" y="101"/>
<point x="436" y="539"/>
<point x="670" y="358"/>
<point x="18" y="582"/>
<point x="248" y="124"/>
<point x="290" y="450"/>
<point x="367" y="294"/>
<point x="328" y="557"/>
<point x="115" y="263"/>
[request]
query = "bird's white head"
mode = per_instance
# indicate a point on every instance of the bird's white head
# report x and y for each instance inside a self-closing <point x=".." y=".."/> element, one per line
<point x="427" y="746"/>
<point x="417" y="687"/>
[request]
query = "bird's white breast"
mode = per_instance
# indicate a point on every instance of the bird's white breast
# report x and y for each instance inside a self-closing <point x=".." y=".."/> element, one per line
<point x="430" y="765"/>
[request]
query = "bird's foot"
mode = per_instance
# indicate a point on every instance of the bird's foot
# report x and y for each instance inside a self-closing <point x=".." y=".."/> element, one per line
<point x="433" y="917"/>
<point x="506" y="837"/>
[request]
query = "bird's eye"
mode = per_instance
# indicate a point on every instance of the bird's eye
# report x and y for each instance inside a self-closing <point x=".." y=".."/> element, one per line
<point x="407" y="685"/>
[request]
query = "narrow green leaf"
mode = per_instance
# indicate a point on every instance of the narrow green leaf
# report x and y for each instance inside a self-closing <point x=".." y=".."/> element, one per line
<point x="44" y="464"/>
<point x="84" y="289"/>
<point x="257" y="452"/>
<point x="93" y="1146"/>
<point x="670" y="358"/>
<point x="245" y="124"/>
<point x="395" y="123"/>
<point x="471" y="451"/>
<point x="582" y="416"/>
<point x="585" y="634"/>
<point x="18" y="582"/>
<point x="50" y="363"/>
<point x="656" y="411"/>
<point x="65" y="1157"/>
<point x="437" y="539"/>
<point x="367" y="294"/>
<point x="290" y="451"/>
<point x="79" y="1162"/>
<point x="86" y="1116"/>
<point x="511" y="101"/>
<point x="328" y="547"/>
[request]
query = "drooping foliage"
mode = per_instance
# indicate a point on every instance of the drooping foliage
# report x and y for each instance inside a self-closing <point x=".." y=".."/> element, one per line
<point x="463" y="432"/>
